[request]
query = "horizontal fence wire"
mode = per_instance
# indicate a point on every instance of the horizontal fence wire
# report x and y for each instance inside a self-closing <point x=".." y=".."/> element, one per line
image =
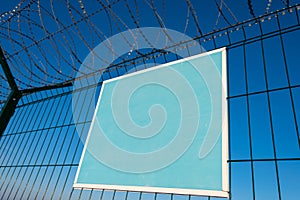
<point x="41" y="146"/>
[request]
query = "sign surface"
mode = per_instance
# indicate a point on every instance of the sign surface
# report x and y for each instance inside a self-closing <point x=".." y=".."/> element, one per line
<point x="162" y="129"/>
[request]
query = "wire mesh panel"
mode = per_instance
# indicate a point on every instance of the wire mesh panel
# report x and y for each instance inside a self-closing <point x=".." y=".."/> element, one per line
<point x="42" y="144"/>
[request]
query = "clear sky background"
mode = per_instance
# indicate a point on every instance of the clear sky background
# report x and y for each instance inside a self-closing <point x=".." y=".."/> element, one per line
<point x="263" y="125"/>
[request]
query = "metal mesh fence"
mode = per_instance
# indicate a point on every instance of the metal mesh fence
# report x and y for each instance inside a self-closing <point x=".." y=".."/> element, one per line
<point x="40" y="148"/>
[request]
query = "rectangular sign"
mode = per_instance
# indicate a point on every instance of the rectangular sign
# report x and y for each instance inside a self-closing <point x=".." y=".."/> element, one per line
<point x="162" y="129"/>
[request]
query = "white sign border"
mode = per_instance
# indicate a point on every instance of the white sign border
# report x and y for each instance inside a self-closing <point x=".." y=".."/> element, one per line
<point x="225" y="171"/>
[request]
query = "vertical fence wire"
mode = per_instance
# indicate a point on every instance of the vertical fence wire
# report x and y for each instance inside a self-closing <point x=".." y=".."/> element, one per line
<point x="40" y="149"/>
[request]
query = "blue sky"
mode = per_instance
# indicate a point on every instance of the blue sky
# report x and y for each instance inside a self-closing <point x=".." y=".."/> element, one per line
<point x="262" y="124"/>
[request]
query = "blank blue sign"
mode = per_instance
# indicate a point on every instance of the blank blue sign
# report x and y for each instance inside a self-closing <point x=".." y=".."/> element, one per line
<point x="162" y="129"/>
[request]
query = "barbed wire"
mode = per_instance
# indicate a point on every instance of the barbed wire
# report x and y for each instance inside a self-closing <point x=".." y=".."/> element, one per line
<point x="45" y="42"/>
<point x="7" y="15"/>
